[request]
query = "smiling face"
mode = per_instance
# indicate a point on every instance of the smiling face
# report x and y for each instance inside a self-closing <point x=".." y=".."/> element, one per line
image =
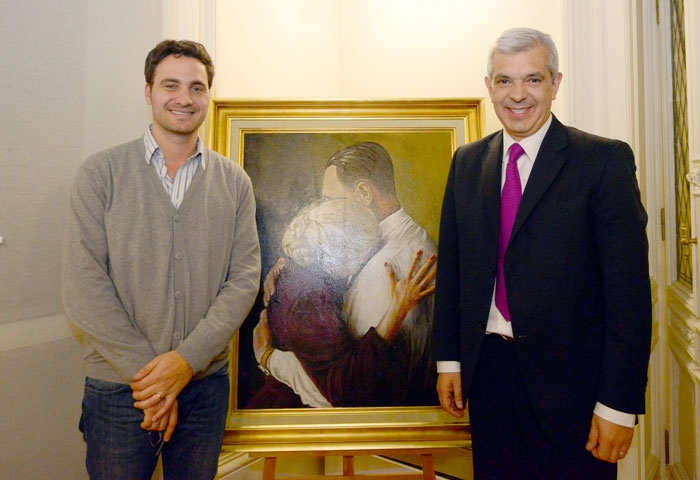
<point x="522" y="90"/>
<point x="179" y="96"/>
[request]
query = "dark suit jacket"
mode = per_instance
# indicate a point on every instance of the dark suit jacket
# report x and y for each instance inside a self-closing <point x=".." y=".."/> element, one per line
<point x="577" y="275"/>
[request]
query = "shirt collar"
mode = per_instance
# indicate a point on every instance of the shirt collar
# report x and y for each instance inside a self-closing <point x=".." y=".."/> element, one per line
<point x="152" y="148"/>
<point x="530" y="144"/>
<point x="391" y="222"/>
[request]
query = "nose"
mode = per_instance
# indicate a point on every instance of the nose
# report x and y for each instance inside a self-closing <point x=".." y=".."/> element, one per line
<point x="519" y="91"/>
<point x="184" y="97"/>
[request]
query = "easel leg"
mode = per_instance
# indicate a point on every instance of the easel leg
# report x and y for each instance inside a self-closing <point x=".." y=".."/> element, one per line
<point x="348" y="465"/>
<point x="428" y="466"/>
<point x="269" y="468"/>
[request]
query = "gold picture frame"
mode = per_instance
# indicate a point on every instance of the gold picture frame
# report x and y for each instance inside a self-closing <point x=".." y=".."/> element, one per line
<point x="292" y="132"/>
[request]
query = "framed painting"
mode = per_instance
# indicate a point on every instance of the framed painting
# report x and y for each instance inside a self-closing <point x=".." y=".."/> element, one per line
<point x="293" y="151"/>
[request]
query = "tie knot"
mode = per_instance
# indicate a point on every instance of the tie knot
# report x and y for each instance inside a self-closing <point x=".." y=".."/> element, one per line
<point x="515" y="152"/>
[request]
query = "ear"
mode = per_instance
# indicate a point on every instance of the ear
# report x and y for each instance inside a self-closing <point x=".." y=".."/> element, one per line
<point x="147" y="93"/>
<point x="363" y="193"/>
<point x="488" y="85"/>
<point x="555" y="86"/>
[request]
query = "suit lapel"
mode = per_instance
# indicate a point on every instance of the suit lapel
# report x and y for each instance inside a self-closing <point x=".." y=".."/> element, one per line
<point x="492" y="181"/>
<point x="546" y="168"/>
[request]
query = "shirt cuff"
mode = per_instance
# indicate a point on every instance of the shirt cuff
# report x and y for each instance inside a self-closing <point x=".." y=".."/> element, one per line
<point x="448" y="367"/>
<point x="604" y="412"/>
<point x="615" y="416"/>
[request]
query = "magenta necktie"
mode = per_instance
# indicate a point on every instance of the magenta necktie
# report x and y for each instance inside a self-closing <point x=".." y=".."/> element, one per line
<point x="510" y="199"/>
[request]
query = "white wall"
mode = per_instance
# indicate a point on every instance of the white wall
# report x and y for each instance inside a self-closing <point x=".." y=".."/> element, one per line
<point x="370" y="48"/>
<point x="72" y="81"/>
<point x="42" y="125"/>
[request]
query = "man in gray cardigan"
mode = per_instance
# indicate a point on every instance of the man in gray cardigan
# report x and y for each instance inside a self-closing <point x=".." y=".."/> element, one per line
<point x="161" y="266"/>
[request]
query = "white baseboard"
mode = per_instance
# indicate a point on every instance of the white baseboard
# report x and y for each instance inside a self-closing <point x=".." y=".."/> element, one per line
<point x="233" y="465"/>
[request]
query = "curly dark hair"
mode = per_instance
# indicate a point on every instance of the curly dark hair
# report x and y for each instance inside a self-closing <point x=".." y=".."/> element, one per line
<point x="178" y="48"/>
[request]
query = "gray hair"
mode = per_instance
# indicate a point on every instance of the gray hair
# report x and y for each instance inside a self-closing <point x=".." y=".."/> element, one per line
<point x="330" y="234"/>
<point x="516" y="40"/>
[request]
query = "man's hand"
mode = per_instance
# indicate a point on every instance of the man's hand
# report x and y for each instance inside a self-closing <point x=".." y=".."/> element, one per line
<point x="159" y="383"/>
<point x="166" y="424"/>
<point x="608" y="441"/>
<point x="261" y="336"/>
<point x="449" y="388"/>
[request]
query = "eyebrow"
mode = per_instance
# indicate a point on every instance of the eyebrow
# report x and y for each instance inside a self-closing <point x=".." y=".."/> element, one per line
<point x="535" y="75"/>
<point x="176" y="80"/>
<point x="499" y="76"/>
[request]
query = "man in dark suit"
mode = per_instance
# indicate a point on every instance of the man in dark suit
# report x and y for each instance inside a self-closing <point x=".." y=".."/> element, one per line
<point x="553" y="360"/>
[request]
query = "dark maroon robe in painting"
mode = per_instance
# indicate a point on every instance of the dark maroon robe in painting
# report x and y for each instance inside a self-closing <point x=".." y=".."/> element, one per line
<point x="305" y="317"/>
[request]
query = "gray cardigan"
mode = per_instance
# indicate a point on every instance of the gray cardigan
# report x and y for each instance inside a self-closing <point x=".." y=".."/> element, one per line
<point x="141" y="278"/>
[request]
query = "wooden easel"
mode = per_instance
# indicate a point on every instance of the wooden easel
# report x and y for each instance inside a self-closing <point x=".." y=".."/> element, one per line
<point x="426" y="455"/>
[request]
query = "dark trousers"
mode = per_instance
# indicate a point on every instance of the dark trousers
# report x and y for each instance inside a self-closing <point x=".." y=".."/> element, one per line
<point x="507" y="439"/>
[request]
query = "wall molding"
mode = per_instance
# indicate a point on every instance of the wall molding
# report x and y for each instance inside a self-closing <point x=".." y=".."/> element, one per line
<point x="599" y="67"/>
<point x="692" y="23"/>
<point x="35" y="331"/>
